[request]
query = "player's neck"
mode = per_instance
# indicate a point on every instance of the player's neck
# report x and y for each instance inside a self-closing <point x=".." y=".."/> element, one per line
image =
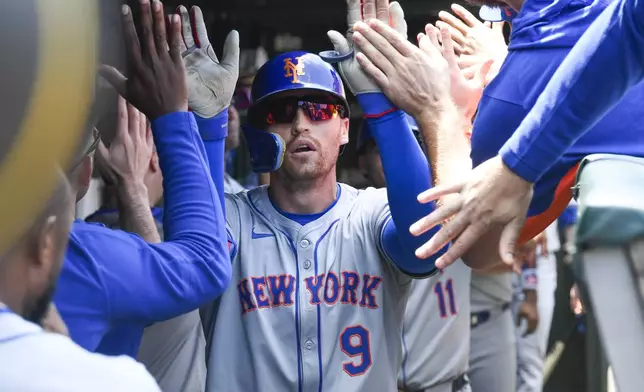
<point x="303" y="197"/>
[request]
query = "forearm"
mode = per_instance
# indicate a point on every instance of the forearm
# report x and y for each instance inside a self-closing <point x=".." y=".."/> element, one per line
<point x="445" y="132"/>
<point x="604" y="64"/>
<point x="155" y="282"/>
<point x="406" y="174"/>
<point x="213" y="132"/>
<point x="135" y="215"/>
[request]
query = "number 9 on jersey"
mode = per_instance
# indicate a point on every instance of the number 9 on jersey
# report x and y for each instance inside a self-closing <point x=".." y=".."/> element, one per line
<point x="355" y="342"/>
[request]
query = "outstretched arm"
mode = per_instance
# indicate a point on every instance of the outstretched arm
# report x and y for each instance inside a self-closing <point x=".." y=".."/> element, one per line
<point x="405" y="166"/>
<point x="151" y="282"/>
<point x="211" y="85"/>
<point x="604" y="64"/>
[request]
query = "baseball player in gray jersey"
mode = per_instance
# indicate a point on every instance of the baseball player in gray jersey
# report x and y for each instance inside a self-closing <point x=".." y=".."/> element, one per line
<point x="320" y="271"/>
<point x="493" y="341"/>
<point x="436" y="328"/>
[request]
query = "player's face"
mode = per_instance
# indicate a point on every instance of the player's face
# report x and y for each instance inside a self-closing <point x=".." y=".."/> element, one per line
<point x="46" y="261"/>
<point x="313" y="137"/>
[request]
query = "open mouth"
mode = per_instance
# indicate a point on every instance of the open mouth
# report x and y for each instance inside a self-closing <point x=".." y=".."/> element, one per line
<point x="302" y="147"/>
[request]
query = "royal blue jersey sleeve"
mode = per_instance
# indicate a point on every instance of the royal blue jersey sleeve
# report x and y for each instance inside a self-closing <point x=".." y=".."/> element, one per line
<point x="596" y="74"/>
<point x="213" y="133"/>
<point x="407" y="174"/>
<point x="137" y="282"/>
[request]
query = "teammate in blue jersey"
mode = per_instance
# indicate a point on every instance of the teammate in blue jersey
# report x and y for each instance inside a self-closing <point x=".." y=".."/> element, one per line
<point x="113" y="279"/>
<point x="543" y="33"/>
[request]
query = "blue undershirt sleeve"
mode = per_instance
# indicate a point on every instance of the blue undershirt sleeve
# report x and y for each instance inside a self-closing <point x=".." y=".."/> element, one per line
<point x="147" y="283"/>
<point x="595" y="75"/>
<point x="407" y="174"/>
<point x="213" y="133"/>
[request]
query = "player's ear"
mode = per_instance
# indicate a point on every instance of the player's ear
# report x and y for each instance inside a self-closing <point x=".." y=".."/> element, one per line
<point x="344" y="131"/>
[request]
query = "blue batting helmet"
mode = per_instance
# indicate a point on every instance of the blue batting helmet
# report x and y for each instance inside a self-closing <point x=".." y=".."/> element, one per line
<point x="291" y="71"/>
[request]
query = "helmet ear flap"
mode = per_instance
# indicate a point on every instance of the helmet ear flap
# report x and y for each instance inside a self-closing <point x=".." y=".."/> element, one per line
<point x="266" y="149"/>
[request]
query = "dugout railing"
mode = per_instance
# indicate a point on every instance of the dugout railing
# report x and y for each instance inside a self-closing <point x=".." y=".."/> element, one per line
<point x="609" y="266"/>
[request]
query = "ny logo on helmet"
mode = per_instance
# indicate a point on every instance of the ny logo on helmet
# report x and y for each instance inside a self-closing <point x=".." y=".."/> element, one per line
<point x="293" y="70"/>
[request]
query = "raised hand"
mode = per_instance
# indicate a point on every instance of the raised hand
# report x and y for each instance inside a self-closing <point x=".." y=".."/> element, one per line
<point x="211" y="83"/>
<point x="127" y="160"/>
<point x="466" y="93"/>
<point x="156" y="80"/>
<point x="354" y="76"/>
<point x="475" y="42"/>
<point x="415" y="80"/>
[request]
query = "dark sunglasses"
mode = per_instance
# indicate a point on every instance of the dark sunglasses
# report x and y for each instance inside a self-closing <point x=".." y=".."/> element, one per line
<point x="283" y="111"/>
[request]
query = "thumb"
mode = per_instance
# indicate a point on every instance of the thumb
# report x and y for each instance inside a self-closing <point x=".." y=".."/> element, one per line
<point x="340" y="43"/>
<point x="509" y="239"/>
<point x="481" y="74"/>
<point x="498" y="26"/>
<point x="115" y="78"/>
<point x="231" y="50"/>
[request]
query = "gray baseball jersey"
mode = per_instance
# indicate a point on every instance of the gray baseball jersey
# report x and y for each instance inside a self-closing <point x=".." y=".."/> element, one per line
<point x="310" y="308"/>
<point x="231" y="185"/>
<point x="436" y="330"/>
<point x="490" y="290"/>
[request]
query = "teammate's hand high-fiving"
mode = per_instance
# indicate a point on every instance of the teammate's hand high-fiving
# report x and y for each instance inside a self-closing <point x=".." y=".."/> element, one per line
<point x="211" y="83"/>
<point x="356" y="79"/>
<point x="156" y="80"/>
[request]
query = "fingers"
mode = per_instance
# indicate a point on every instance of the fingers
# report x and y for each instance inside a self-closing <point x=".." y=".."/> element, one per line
<point x="398" y="18"/>
<point x="509" y="238"/>
<point x="385" y="39"/>
<point x="465" y="15"/>
<point x="449" y="231"/>
<point x="199" y="32"/>
<point x="354" y="12"/>
<point x="134" y="121"/>
<point x="453" y="22"/>
<point x="230" y="59"/>
<point x="481" y="74"/>
<point x="186" y="27"/>
<point x="382" y="10"/>
<point x="160" y="39"/>
<point x="132" y="44"/>
<point x="122" y="119"/>
<point x="439" y="215"/>
<point x="432" y="32"/>
<point x="175" y="41"/>
<point x="374" y="72"/>
<point x="148" y="47"/>
<point x="440" y="191"/>
<point x="369" y="10"/>
<point x="466" y="61"/>
<point x="114" y="78"/>
<point x="462" y="244"/>
<point x="340" y="43"/>
<point x="375" y="54"/>
<point x="448" y="48"/>
<point x="458" y="38"/>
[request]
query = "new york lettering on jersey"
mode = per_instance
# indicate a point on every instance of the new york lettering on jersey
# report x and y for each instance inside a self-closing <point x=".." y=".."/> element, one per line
<point x="312" y="307"/>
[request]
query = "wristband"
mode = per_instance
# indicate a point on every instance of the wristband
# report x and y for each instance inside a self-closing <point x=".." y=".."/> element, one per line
<point x="529" y="279"/>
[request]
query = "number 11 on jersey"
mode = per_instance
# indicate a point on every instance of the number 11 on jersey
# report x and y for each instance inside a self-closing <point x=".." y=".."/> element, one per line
<point x="445" y="297"/>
